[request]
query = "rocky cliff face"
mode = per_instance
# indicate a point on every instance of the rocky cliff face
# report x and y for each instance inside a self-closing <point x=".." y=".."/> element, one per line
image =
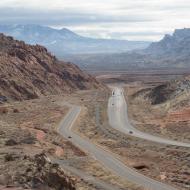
<point x="174" y="45"/>
<point x="28" y="71"/>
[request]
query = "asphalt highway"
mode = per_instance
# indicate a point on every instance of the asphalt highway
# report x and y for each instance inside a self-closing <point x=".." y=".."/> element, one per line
<point x="109" y="160"/>
<point x="118" y="119"/>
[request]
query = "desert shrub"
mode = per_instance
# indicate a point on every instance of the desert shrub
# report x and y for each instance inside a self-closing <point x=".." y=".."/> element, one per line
<point x="15" y="110"/>
<point x="4" y="110"/>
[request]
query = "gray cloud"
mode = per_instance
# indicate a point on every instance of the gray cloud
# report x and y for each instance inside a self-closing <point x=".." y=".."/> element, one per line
<point x="61" y="17"/>
<point x="117" y="34"/>
<point x="129" y="19"/>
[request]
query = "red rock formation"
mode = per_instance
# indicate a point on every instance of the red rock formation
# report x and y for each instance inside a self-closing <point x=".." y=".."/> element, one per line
<point x="31" y="71"/>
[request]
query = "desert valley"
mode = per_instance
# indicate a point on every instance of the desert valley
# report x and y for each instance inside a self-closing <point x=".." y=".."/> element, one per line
<point x="38" y="91"/>
<point x="84" y="113"/>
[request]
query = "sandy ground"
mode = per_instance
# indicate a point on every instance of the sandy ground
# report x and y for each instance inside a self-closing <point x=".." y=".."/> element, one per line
<point x="32" y="125"/>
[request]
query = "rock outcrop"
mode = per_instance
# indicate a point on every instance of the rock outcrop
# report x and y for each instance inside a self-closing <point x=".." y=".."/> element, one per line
<point x="174" y="92"/>
<point x="34" y="173"/>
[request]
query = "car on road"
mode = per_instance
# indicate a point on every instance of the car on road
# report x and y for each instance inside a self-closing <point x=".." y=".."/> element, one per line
<point x="130" y="132"/>
<point x="69" y="137"/>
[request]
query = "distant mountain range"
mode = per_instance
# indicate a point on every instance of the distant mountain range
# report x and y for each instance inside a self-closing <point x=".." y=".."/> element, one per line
<point x="173" y="51"/>
<point x="64" y="41"/>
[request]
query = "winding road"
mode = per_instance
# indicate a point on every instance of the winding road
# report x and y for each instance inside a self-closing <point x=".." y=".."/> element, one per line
<point x="118" y="119"/>
<point x="109" y="160"/>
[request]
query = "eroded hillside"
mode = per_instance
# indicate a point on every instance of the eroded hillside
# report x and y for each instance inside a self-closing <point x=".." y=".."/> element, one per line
<point x="31" y="71"/>
<point x="173" y="92"/>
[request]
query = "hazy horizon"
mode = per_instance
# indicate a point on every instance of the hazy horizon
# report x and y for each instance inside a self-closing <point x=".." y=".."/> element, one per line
<point x="145" y="20"/>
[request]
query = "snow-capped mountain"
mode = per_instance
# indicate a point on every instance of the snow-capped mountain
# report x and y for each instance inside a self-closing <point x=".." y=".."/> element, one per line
<point x="64" y="41"/>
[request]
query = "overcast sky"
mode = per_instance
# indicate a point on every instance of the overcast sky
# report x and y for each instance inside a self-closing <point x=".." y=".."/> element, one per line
<point x="119" y="19"/>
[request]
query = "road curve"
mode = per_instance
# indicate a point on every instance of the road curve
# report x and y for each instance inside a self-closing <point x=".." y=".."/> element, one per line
<point x="108" y="159"/>
<point x="118" y="119"/>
